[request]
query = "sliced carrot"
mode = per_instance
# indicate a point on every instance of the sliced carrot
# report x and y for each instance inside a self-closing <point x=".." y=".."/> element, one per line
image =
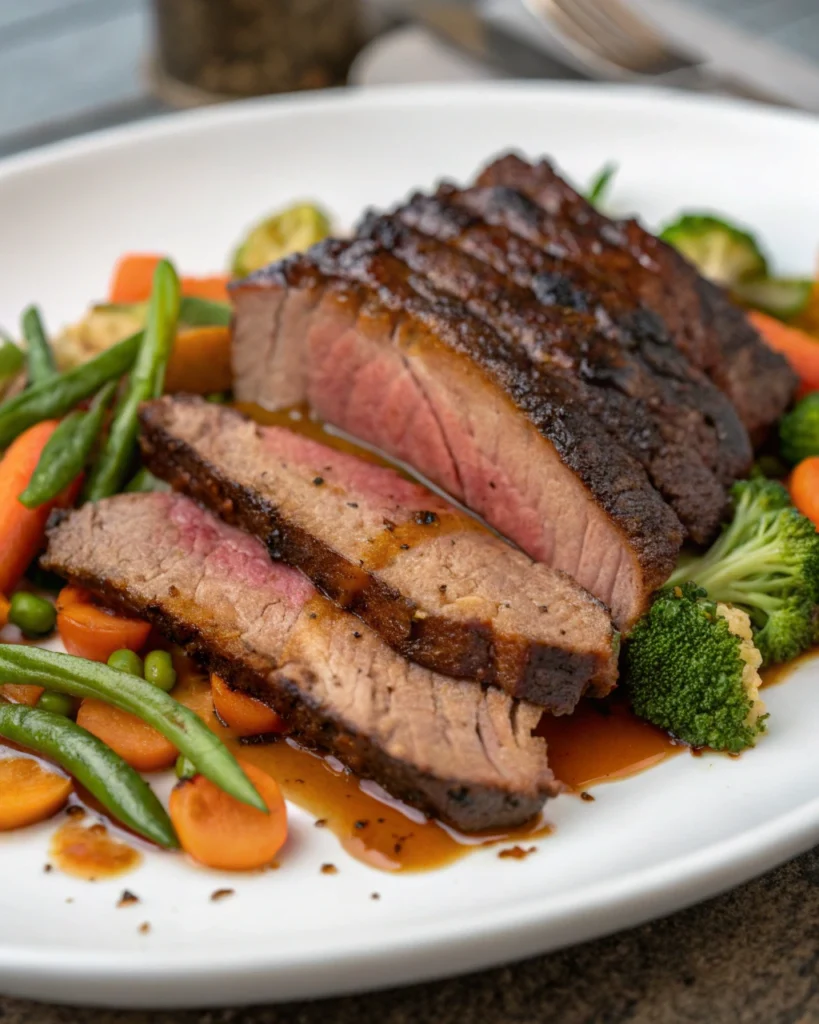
<point x="200" y="361"/>
<point x="5" y="609"/>
<point x="93" y="632"/>
<point x="804" y="488"/>
<point x="799" y="348"/>
<point x="19" y="694"/>
<point x="222" y="833"/>
<point x="245" y="715"/>
<point x="22" y="530"/>
<point x="137" y="743"/>
<point x="133" y="278"/>
<point x="213" y="288"/>
<point x="29" y="792"/>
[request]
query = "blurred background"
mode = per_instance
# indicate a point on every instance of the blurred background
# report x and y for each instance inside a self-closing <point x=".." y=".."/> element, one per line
<point x="69" y="66"/>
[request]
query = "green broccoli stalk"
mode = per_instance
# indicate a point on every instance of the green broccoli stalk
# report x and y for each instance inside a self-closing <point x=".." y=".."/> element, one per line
<point x="690" y="667"/>
<point x="799" y="430"/>
<point x="766" y="561"/>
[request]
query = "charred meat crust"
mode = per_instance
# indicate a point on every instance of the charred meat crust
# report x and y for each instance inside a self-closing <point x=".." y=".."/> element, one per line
<point x="554" y="677"/>
<point x="642" y="415"/>
<point x="713" y="333"/>
<point x="615" y="481"/>
<point x="518" y="238"/>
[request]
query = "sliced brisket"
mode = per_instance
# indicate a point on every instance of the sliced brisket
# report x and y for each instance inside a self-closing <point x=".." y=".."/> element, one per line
<point x="439" y="588"/>
<point x="452" y="749"/>
<point x="714" y="333"/>
<point x="378" y="350"/>
<point x="640" y="408"/>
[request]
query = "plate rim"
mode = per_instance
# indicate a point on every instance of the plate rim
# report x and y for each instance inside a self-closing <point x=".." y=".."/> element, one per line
<point x="521" y="929"/>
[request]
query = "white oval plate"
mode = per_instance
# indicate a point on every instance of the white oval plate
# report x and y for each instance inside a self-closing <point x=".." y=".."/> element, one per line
<point x="189" y="185"/>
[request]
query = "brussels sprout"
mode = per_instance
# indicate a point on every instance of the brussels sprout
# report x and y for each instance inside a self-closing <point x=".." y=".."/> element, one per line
<point x="293" y="230"/>
<point x="799" y="430"/>
<point x="720" y="251"/>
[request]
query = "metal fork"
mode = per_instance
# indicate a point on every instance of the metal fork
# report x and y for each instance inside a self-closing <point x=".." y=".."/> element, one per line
<point x="611" y="39"/>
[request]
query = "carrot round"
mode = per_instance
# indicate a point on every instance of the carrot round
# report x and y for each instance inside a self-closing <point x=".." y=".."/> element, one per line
<point x="245" y="715"/>
<point x="29" y="792"/>
<point x="133" y="278"/>
<point x="200" y="361"/>
<point x="137" y="743"/>
<point x="22" y="530"/>
<point x="92" y="632"/>
<point x="799" y="348"/>
<point x="213" y="288"/>
<point x="222" y="833"/>
<point x="19" y="694"/>
<point x="804" y="488"/>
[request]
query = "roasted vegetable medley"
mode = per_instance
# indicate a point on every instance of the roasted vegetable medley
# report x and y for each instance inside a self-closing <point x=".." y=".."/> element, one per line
<point x="105" y="712"/>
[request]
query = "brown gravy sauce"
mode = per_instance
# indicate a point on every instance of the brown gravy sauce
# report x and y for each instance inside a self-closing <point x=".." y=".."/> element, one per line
<point x="87" y="849"/>
<point x="370" y="825"/>
<point x="601" y="742"/>
<point x="779" y="673"/>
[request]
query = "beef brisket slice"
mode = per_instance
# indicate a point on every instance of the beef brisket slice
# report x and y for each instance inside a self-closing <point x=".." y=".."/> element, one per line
<point x="639" y="407"/>
<point x="451" y="748"/>
<point x="439" y="588"/>
<point x="377" y="350"/>
<point x="713" y="332"/>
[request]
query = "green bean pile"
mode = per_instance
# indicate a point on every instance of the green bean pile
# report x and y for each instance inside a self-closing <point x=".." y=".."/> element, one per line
<point x="97" y="404"/>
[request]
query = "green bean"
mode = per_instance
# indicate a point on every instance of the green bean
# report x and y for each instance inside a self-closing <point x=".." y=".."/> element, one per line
<point x="77" y="677"/>
<point x="66" y="451"/>
<point x="146" y="381"/>
<point x="116" y="785"/>
<point x="195" y="312"/>
<point x="54" y="398"/>
<point x="35" y="616"/>
<point x="11" y="360"/>
<point x="39" y="356"/>
<point x="144" y="480"/>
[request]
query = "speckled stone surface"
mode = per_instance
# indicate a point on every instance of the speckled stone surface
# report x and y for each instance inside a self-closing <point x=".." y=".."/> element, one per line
<point x="749" y="957"/>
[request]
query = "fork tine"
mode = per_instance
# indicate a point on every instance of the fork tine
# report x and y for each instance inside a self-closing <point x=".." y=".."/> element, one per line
<point x="613" y="32"/>
<point x="594" y="33"/>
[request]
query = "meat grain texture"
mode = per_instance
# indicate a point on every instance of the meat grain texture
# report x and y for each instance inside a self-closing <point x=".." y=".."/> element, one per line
<point x="430" y="580"/>
<point x="453" y="749"/>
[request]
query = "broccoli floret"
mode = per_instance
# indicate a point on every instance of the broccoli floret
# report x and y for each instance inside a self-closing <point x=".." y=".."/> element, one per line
<point x="690" y="666"/>
<point x="766" y="561"/>
<point x="799" y="430"/>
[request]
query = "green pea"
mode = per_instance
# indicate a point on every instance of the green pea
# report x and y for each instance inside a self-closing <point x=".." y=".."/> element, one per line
<point x="185" y="769"/>
<point x="126" y="661"/>
<point x="159" y="670"/>
<point x="34" y="615"/>
<point x="58" y="703"/>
